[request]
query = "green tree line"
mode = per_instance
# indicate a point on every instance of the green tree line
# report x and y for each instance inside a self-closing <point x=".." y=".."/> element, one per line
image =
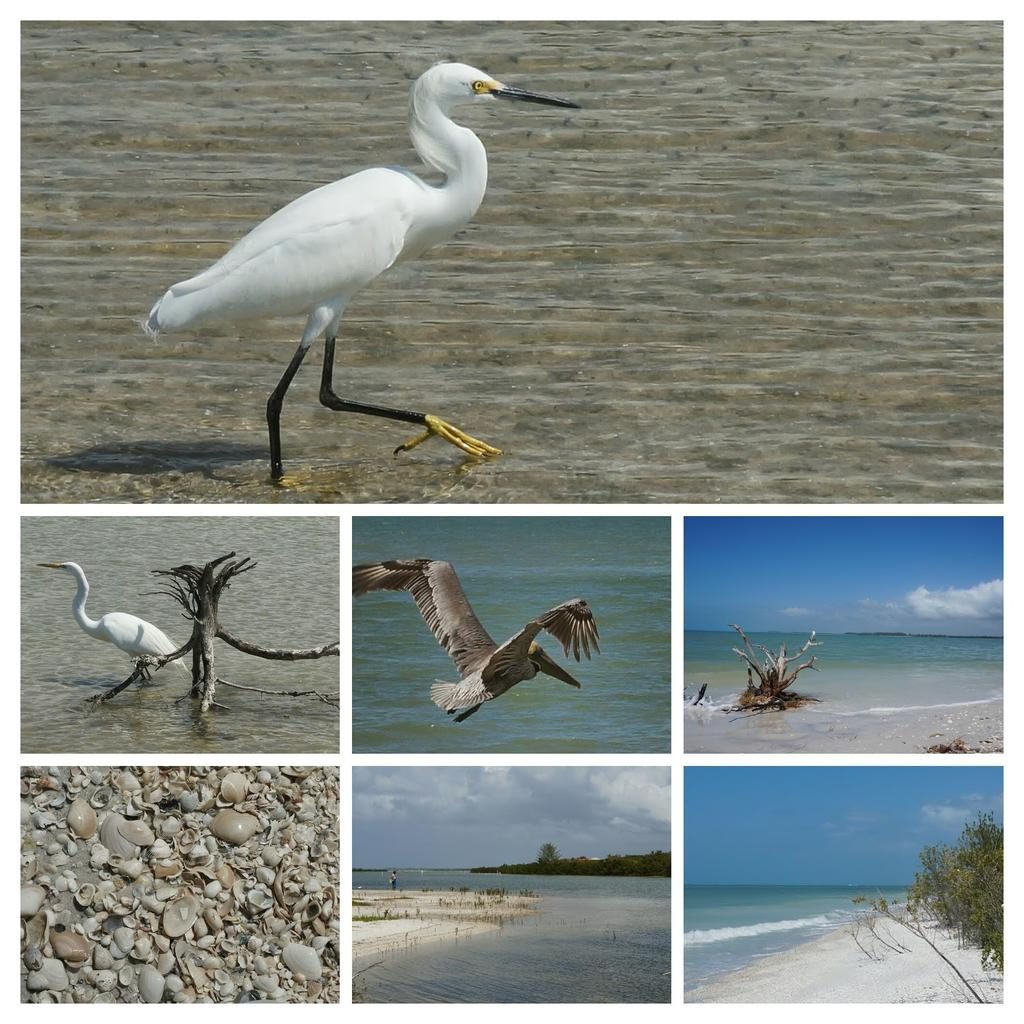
<point x="657" y="863"/>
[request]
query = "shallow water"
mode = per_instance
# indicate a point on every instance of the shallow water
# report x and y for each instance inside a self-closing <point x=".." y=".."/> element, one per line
<point x="763" y="263"/>
<point x="594" y="940"/>
<point x="290" y="599"/>
<point x="513" y="569"/>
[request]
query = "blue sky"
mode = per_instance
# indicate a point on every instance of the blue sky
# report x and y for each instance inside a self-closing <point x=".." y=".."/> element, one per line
<point x="836" y="574"/>
<point x="825" y="826"/>
<point x="471" y="817"/>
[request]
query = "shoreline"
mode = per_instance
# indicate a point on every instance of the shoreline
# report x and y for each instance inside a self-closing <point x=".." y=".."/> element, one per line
<point x="813" y="729"/>
<point x="404" y="920"/>
<point x="832" y="969"/>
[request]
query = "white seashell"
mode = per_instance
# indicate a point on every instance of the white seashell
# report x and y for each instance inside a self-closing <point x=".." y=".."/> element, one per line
<point x="265" y="982"/>
<point x="101" y="958"/>
<point x="127" y="782"/>
<point x="124" y="939"/>
<point x="265" y="875"/>
<point x="234" y="828"/>
<point x="160" y="849"/>
<point x="99" y="855"/>
<point x="173" y="984"/>
<point x="213" y="919"/>
<point x="51" y="977"/>
<point x="165" y="962"/>
<point x="258" y="900"/>
<point x="170" y="827"/>
<point x="136" y="831"/>
<point x="101" y="798"/>
<point x="126" y="975"/>
<point x="142" y="948"/>
<point x="272" y="856"/>
<point x="234" y="787"/>
<point x="112" y="838"/>
<point x="179" y="916"/>
<point x="188" y="801"/>
<point x="32" y="897"/>
<point x="81" y="819"/>
<point x="131" y="868"/>
<point x="302" y="960"/>
<point x="104" y="981"/>
<point x="151" y="984"/>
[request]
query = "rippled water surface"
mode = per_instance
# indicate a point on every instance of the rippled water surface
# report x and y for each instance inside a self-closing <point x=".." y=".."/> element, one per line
<point x="594" y="940"/>
<point x="290" y="599"/>
<point x="512" y="570"/>
<point x="762" y="263"/>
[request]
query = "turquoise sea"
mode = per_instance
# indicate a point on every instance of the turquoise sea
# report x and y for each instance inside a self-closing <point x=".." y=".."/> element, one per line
<point x="727" y="927"/>
<point x="594" y="940"/>
<point x="512" y="569"/>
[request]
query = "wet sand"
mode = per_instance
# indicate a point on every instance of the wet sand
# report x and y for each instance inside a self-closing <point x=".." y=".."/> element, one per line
<point x="418" y="917"/>
<point x="832" y="969"/>
<point x="763" y="263"/>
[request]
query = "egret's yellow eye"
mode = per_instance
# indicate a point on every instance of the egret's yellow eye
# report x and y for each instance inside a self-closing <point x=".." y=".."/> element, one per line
<point x="481" y="87"/>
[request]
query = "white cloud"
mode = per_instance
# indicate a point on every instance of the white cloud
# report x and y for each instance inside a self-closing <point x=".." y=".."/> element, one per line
<point x="982" y="601"/>
<point x="801" y="612"/>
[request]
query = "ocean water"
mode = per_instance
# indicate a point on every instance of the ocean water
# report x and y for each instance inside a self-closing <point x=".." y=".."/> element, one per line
<point x="727" y="927"/>
<point x="512" y="569"/>
<point x="594" y="940"/>
<point x="891" y="685"/>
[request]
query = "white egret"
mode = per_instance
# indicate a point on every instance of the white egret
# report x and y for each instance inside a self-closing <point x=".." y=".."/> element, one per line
<point x="317" y="252"/>
<point x="136" y="637"/>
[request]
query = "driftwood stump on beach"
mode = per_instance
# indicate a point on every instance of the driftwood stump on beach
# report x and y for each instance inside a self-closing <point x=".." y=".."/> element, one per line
<point x="198" y="590"/>
<point x="776" y="672"/>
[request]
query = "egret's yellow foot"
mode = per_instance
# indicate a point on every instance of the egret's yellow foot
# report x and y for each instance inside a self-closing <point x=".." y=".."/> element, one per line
<point x="463" y="441"/>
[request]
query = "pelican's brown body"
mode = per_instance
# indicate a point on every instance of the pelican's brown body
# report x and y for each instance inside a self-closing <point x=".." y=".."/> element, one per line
<point x="486" y="669"/>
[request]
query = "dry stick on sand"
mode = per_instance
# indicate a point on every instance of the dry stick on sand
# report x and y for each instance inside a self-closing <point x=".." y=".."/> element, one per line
<point x="198" y="591"/>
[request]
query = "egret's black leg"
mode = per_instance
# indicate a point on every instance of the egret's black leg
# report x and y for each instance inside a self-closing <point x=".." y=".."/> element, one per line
<point x="274" y="403"/>
<point x="432" y="424"/>
<point x="332" y="401"/>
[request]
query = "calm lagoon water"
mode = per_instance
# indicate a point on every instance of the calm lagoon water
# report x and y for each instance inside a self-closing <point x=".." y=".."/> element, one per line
<point x="512" y="569"/>
<point x="762" y="263"/>
<point x="885" y="684"/>
<point x="728" y="926"/>
<point x="594" y="940"/>
<point x="290" y="599"/>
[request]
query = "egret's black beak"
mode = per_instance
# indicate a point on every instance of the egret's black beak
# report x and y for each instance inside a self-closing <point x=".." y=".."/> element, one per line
<point x="544" y="664"/>
<point x="511" y="92"/>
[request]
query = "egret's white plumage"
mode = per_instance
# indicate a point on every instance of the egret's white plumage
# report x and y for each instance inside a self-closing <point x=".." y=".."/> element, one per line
<point x="136" y="637"/>
<point x="313" y="255"/>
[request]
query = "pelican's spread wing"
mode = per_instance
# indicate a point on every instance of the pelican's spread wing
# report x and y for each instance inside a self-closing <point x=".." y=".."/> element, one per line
<point x="572" y="625"/>
<point x="440" y="599"/>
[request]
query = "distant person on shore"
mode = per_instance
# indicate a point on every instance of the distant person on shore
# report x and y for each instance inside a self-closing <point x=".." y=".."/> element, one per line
<point x="394" y="879"/>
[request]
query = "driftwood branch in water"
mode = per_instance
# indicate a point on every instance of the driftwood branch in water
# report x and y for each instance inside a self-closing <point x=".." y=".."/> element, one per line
<point x="198" y="590"/>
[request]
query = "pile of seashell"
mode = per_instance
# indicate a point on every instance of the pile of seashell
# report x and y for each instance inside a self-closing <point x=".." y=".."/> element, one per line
<point x="179" y="884"/>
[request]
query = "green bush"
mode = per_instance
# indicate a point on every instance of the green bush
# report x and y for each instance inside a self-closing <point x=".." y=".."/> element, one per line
<point x="961" y="886"/>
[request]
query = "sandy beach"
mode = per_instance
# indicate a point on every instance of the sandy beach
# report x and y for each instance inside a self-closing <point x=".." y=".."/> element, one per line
<point x="832" y="969"/>
<point x="405" y="919"/>
<point x="816" y="729"/>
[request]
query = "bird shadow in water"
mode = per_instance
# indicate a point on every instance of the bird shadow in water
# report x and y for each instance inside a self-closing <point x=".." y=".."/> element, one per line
<point x="158" y="456"/>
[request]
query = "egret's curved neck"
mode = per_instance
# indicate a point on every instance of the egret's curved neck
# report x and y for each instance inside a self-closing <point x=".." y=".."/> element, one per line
<point x="451" y="149"/>
<point x="78" y="602"/>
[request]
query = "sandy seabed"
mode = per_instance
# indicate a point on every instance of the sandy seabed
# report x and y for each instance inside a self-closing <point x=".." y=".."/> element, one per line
<point x="832" y="969"/>
<point x="407" y="919"/>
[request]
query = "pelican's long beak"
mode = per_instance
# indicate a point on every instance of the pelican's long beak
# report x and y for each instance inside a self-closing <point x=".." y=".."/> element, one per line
<point x="50" y="565"/>
<point x="541" y="659"/>
<point x="512" y="92"/>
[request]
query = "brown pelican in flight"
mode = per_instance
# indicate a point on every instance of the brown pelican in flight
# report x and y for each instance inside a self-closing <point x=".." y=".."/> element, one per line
<point x="487" y="670"/>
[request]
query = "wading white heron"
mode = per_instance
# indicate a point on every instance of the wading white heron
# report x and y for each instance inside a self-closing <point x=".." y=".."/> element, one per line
<point x="136" y="637"/>
<point x="487" y="670"/>
<point x="317" y="252"/>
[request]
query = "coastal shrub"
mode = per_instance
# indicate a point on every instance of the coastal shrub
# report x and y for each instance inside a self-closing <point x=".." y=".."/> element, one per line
<point x="548" y="854"/>
<point x="656" y="864"/>
<point x="961" y="887"/>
